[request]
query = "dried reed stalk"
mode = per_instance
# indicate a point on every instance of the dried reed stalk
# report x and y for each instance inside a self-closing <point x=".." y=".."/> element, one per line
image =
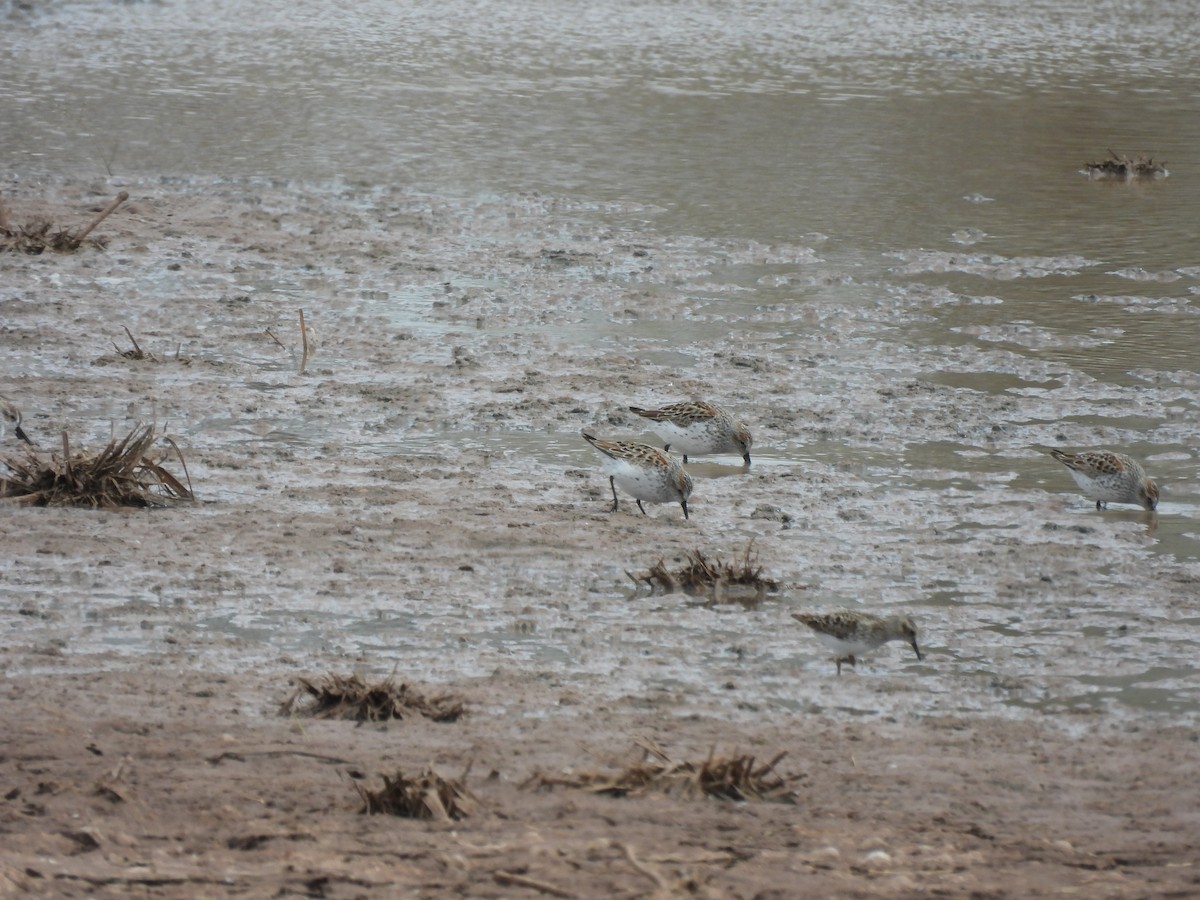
<point x="303" y="344"/>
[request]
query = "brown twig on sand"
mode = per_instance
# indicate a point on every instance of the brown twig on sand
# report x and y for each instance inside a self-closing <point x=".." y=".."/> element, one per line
<point x="271" y="335"/>
<point x="102" y="215"/>
<point x="512" y="879"/>
<point x="627" y="851"/>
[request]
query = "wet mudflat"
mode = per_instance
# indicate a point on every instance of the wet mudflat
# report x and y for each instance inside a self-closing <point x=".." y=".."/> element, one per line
<point x="419" y="502"/>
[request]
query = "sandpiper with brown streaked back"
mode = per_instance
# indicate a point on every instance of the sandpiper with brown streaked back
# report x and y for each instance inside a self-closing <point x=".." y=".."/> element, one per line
<point x="645" y="472"/>
<point x="696" y="428"/>
<point x="1109" y="476"/>
<point x="10" y="415"/>
<point x="850" y="633"/>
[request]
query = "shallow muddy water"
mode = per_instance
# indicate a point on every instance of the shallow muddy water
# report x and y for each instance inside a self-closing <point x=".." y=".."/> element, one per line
<point x="863" y="227"/>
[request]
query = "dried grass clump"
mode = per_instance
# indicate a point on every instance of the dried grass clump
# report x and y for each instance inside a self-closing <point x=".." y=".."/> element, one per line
<point x="122" y="474"/>
<point x="136" y="352"/>
<point x="349" y="697"/>
<point x="427" y="796"/>
<point x="36" y="237"/>
<point x="723" y="777"/>
<point x="1118" y="166"/>
<point x="741" y="581"/>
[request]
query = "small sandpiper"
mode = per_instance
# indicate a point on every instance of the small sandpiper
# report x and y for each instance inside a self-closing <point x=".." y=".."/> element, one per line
<point x="1109" y="476"/>
<point x="9" y="414"/>
<point x="850" y="633"/>
<point x="696" y="428"/>
<point x="645" y="472"/>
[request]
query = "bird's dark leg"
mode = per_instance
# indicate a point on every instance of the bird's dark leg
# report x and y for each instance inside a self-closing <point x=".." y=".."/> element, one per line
<point x="642" y="508"/>
<point x="1100" y="504"/>
<point x="685" y="458"/>
<point x="612" y="483"/>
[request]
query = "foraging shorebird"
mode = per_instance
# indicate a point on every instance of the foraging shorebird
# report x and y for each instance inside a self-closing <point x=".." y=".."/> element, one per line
<point x="645" y="472"/>
<point x="10" y="415"/>
<point x="696" y="428"/>
<point x="1109" y="476"/>
<point x="851" y="633"/>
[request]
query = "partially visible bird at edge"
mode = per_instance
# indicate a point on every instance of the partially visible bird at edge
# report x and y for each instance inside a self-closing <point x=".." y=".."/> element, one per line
<point x="12" y="416"/>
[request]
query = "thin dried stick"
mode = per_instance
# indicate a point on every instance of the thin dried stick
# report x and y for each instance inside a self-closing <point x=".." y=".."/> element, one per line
<point x="67" y="455"/>
<point x="271" y="335"/>
<point x="133" y="341"/>
<point x="303" y="343"/>
<point x="512" y="878"/>
<point x="179" y="453"/>
<point x="641" y="866"/>
<point x="104" y="214"/>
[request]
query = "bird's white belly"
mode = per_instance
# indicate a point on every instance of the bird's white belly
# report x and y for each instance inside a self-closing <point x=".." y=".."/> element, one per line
<point x="687" y="441"/>
<point x="1094" y="487"/>
<point x="851" y="647"/>
<point x="643" y="484"/>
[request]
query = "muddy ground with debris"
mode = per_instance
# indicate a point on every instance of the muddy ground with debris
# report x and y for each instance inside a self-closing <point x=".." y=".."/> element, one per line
<point x="404" y="508"/>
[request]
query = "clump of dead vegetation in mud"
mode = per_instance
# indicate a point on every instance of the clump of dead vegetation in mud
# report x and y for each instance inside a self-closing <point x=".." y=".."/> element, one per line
<point x="136" y="353"/>
<point x="740" y="581"/>
<point x="723" y="777"/>
<point x="427" y="796"/>
<point x="39" y="236"/>
<point x="349" y="697"/>
<point x="1119" y="166"/>
<point x="122" y="474"/>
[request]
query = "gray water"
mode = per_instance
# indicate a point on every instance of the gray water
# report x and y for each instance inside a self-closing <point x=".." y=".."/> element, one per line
<point x="926" y="155"/>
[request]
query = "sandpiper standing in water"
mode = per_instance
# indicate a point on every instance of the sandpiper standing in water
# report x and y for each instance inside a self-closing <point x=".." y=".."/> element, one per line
<point x="645" y="472"/>
<point x="1109" y="476"/>
<point x="850" y="633"/>
<point x="696" y="428"/>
